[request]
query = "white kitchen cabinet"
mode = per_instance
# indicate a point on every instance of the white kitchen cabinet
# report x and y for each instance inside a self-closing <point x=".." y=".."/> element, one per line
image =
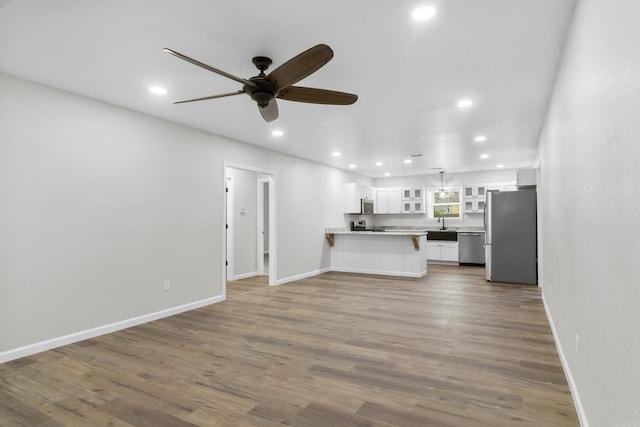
<point x="415" y="193"/>
<point x="353" y="193"/>
<point x="412" y="206"/>
<point x="475" y="197"/>
<point x="413" y="200"/>
<point x="474" y="205"/>
<point x="478" y="191"/>
<point x="510" y="186"/>
<point x="526" y="178"/>
<point x="388" y="201"/>
<point x="495" y="186"/>
<point x="442" y="250"/>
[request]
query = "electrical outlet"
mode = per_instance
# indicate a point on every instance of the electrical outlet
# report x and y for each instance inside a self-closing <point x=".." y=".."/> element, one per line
<point x="167" y="285"/>
<point x="577" y="345"/>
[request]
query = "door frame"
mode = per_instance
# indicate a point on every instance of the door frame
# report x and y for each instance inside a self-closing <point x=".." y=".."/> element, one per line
<point x="261" y="225"/>
<point x="273" y="254"/>
<point x="229" y="226"/>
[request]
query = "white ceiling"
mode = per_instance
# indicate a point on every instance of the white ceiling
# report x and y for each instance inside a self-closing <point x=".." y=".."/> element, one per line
<point x="502" y="54"/>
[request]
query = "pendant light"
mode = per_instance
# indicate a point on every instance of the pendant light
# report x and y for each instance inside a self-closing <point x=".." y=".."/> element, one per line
<point x="442" y="192"/>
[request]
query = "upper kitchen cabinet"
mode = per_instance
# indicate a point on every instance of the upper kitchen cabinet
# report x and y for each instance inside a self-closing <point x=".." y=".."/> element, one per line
<point x="474" y="205"/>
<point x="416" y="193"/>
<point x="475" y="191"/>
<point x="510" y="186"/>
<point x="353" y="193"/>
<point x="475" y="198"/>
<point x="413" y="200"/>
<point x="527" y="178"/>
<point x="412" y="206"/>
<point x="502" y="186"/>
<point x="388" y="201"/>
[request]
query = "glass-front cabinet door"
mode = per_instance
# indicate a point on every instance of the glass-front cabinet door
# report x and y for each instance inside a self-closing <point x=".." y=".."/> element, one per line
<point x="475" y="191"/>
<point x="474" y="205"/>
<point x="416" y="193"/>
<point x="412" y="206"/>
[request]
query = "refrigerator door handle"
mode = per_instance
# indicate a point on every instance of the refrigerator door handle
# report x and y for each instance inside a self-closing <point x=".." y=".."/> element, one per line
<point x="484" y="218"/>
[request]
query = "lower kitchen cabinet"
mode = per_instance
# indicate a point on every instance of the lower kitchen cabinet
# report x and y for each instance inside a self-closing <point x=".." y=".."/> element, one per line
<point x="442" y="250"/>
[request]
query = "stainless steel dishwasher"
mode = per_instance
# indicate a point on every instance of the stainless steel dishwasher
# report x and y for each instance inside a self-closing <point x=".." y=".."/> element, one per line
<point x="470" y="248"/>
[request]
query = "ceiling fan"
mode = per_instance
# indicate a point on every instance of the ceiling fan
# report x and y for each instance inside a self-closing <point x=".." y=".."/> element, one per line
<point x="265" y="88"/>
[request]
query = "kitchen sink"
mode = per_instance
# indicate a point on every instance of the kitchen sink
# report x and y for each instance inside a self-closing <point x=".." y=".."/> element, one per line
<point x="443" y="235"/>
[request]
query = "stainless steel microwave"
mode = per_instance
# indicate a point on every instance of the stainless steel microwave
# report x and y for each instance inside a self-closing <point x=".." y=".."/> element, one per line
<point x="366" y="206"/>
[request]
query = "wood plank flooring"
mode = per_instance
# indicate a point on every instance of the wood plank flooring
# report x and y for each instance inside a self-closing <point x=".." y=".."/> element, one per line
<point x="338" y="349"/>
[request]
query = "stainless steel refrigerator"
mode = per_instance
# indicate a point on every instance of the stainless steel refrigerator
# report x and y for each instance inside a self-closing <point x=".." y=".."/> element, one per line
<point x="510" y="236"/>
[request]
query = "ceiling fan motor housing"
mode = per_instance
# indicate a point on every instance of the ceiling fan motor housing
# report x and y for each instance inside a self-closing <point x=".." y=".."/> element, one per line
<point x="264" y="91"/>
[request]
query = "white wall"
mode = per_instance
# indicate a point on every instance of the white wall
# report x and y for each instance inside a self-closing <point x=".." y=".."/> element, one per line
<point x="433" y="180"/>
<point x="100" y="205"/>
<point x="589" y="176"/>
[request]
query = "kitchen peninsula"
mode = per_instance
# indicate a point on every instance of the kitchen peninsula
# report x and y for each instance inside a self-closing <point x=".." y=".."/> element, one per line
<point x="389" y="253"/>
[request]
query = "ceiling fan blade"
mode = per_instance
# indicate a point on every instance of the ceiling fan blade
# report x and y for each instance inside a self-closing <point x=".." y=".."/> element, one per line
<point x="317" y="96"/>
<point x="222" y="95"/>
<point x="210" y="68"/>
<point x="300" y="66"/>
<point x="270" y="112"/>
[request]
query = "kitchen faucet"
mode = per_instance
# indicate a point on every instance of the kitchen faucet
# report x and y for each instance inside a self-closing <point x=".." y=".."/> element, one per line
<point x="442" y="217"/>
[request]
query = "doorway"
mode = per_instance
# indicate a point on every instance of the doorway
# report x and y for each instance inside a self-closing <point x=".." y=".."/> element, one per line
<point x="250" y="226"/>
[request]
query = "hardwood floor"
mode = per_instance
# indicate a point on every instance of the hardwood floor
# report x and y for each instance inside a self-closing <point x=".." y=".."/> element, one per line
<point x="334" y="350"/>
<point x="240" y="287"/>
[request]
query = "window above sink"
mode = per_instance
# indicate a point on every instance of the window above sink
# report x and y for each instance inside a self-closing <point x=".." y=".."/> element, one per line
<point x="447" y="204"/>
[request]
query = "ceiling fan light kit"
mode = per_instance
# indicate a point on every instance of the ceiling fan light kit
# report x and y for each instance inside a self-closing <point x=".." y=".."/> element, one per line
<point x="265" y="88"/>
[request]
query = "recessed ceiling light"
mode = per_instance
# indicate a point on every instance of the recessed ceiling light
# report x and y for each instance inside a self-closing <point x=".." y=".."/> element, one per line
<point x="277" y="132"/>
<point x="336" y="154"/>
<point x="465" y="103"/>
<point x="379" y="163"/>
<point x="484" y="156"/>
<point x="157" y="90"/>
<point x="499" y="166"/>
<point x="387" y="174"/>
<point x="480" y="138"/>
<point x="423" y="13"/>
<point x="407" y="161"/>
<point x="352" y="166"/>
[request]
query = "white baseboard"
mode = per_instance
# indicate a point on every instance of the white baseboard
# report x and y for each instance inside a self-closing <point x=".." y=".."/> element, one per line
<point x="244" y="275"/>
<point x="361" y="271"/>
<point x="438" y="262"/>
<point x="380" y="272"/>
<point x="301" y="276"/>
<point x="30" y="349"/>
<point x="582" y="416"/>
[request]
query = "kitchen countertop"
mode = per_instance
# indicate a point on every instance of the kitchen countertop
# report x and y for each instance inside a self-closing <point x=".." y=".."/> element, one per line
<point x="382" y="233"/>
<point x="400" y="231"/>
